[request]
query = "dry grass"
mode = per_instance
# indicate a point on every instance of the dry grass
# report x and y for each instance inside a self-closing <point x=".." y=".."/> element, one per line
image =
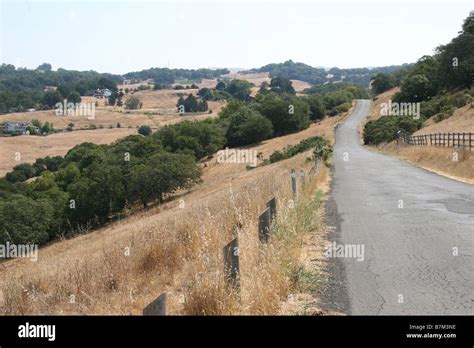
<point x="167" y="252"/>
<point x="461" y="121"/>
<point x="32" y="147"/>
<point x="177" y="248"/>
<point x="159" y="108"/>
<point x="384" y="97"/>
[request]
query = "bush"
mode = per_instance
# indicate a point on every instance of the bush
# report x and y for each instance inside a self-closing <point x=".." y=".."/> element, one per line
<point x="287" y="112"/>
<point x="322" y="149"/>
<point x="133" y="103"/>
<point x="316" y="107"/>
<point x="239" y="89"/>
<point x="382" y="82"/>
<point x="21" y="172"/>
<point x="385" y="129"/>
<point x="144" y="130"/>
<point x="24" y="220"/>
<point x="248" y="127"/>
<point x="445" y="112"/>
<point x="200" y="138"/>
<point x="460" y="99"/>
<point x="162" y="173"/>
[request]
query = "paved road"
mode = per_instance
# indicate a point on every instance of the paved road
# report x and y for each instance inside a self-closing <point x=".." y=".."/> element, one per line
<point x="408" y="252"/>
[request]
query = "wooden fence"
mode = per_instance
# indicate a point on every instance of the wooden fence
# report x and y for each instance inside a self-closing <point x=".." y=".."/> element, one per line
<point x="459" y="140"/>
<point x="231" y="251"/>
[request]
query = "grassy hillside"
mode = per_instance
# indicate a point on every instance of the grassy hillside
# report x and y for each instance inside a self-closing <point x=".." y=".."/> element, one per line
<point x="93" y="274"/>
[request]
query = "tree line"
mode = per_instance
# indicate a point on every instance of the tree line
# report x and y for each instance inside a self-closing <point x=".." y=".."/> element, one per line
<point x="23" y="89"/>
<point x="88" y="187"/>
<point x="169" y="76"/>
<point x="319" y="76"/>
<point x="440" y="83"/>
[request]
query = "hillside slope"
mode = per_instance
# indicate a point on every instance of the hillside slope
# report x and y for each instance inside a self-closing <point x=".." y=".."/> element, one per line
<point x="177" y="247"/>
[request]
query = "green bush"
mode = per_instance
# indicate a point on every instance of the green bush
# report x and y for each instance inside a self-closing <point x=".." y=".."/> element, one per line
<point x="287" y="112"/>
<point x="133" y="103"/>
<point x="201" y="138"/>
<point x="24" y="220"/>
<point x="21" y="172"/>
<point x="385" y="129"/>
<point x="144" y="130"/>
<point x="322" y="149"/>
<point x="248" y="126"/>
<point x="316" y="107"/>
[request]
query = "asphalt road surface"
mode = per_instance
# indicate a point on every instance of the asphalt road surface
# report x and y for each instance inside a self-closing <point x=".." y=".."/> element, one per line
<point x="414" y="231"/>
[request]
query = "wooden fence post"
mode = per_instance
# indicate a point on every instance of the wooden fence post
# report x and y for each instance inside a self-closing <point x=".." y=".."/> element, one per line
<point x="272" y="205"/>
<point x="157" y="307"/>
<point x="231" y="263"/>
<point x="293" y="181"/>
<point x="264" y="222"/>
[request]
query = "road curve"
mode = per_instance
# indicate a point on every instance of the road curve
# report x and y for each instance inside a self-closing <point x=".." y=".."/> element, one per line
<point x="416" y="227"/>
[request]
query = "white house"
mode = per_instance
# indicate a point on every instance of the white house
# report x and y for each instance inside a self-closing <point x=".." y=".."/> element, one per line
<point x="102" y="93"/>
<point x="18" y="128"/>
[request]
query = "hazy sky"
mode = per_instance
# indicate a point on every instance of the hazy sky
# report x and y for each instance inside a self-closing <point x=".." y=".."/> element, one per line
<point x="123" y="36"/>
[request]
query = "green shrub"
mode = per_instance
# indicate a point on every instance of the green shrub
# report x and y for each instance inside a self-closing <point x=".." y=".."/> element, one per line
<point x="322" y="149"/>
<point x="248" y="126"/>
<point x="144" y="130"/>
<point x="385" y="129"/>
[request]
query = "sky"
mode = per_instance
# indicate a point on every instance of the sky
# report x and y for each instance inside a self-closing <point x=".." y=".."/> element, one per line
<point x="123" y="36"/>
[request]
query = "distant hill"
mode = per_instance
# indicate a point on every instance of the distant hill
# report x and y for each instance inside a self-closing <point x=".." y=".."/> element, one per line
<point x="168" y="76"/>
<point x="319" y="76"/>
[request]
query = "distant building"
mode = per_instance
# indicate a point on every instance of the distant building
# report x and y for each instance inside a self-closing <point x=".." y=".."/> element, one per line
<point x="18" y="128"/>
<point x="102" y="93"/>
<point x="49" y="88"/>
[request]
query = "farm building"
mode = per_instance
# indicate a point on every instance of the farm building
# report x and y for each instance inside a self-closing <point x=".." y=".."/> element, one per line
<point x="102" y="93"/>
<point x="17" y="128"/>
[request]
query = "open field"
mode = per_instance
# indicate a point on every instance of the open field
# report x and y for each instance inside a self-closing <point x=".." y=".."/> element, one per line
<point x="159" y="109"/>
<point x="159" y="106"/>
<point x="184" y="256"/>
<point x="32" y="147"/>
<point x="258" y="78"/>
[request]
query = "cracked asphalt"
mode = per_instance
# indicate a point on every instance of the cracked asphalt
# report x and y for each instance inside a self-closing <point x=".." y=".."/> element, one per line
<point x="417" y="229"/>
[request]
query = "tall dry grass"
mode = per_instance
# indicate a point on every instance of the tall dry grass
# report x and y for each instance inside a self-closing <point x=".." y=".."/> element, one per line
<point x="181" y="252"/>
